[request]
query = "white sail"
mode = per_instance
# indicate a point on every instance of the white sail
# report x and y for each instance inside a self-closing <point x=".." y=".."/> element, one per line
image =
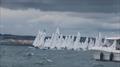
<point x="35" y="43"/>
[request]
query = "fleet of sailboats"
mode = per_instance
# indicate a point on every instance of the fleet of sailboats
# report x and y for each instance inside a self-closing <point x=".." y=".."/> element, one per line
<point x="58" y="41"/>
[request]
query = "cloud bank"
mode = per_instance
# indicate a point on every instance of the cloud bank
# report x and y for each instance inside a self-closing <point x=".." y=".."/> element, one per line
<point x="29" y="21"/>
<point x="104" y="6"/>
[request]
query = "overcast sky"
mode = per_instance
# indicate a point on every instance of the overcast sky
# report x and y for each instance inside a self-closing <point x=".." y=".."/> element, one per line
<point x="26" y="17"/>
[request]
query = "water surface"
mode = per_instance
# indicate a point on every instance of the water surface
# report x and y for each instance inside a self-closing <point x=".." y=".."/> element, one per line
<point x="25" y="56"/>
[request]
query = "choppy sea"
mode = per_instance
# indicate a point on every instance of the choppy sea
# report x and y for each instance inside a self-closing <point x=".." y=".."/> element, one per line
<point x="26" y="56"/>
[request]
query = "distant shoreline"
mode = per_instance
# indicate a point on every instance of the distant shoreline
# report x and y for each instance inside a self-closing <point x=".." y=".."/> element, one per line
<point x="18" y="40"/>
<point x="24" y="40"/>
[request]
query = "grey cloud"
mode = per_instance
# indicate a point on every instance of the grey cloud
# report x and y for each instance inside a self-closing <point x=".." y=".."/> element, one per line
<point x="106" y="6"/>
<point x="31" y="20"/>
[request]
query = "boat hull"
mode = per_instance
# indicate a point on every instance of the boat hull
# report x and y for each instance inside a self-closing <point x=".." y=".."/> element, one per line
<point x="106" y="56"/>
